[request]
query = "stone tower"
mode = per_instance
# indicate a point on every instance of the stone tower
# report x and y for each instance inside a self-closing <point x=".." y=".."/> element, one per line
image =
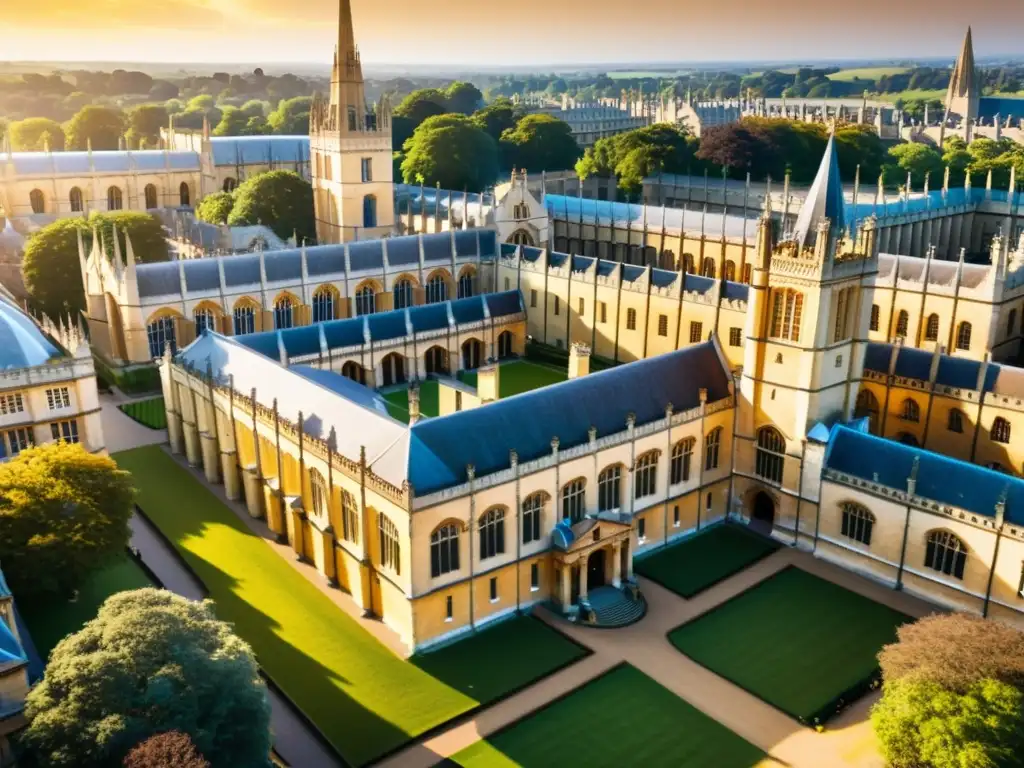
<point x="964" y="86"/>
<point x="350" y="150"/>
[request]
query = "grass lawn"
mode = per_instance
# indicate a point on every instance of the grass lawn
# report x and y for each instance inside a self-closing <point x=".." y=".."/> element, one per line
<point x="621" y="718"/>
<point x="364" y="699"/>
<point x="910" y="95"/>
<point x="866" y="73"/>
<point x="700" y="561"/>
<point x="516" y="376"/>
<point x="794" y="640"/>
<point x="149" y="413"/>
<point x="52" y="621"/>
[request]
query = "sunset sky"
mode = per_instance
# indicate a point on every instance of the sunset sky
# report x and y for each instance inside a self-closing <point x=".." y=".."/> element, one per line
<point x="522" y="32"/>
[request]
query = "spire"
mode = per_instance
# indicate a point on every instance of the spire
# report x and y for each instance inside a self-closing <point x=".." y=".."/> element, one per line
<point x="962" y="95"/>
<point x="348" y="54"/>
<point x="824" y="200"/>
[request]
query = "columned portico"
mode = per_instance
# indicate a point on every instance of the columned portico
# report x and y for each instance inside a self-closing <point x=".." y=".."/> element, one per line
<point x="588" y="555"/>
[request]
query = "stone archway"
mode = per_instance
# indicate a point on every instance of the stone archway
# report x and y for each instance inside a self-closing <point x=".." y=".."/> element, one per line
<point x="596" y="569"/>
<point x="762" y="512"/>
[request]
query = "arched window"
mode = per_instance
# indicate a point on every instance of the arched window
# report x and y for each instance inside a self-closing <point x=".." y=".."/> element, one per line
<point x="963" y="336"/>
<point x="369" y="212"/>
<point x="630" y="319"/>
<point x="283" y="311"/>
<point x="931" y="328"/>
<point x="574" y="500"/>
<point x="390" y="549"/>
<point x="907" y="439"/>
<point x="244" y="319"/>
<point x="533" y="511"/>
<point x="75" y="200"/>
<point x="350" y="518"/>
<point x="521" y="237"/>
<point x="37" y="201"/>
<point x="645" y="477"/>
<point x="352" y="370"/>
<point x="505" y="341"/>
<point x="609" y="488"/>
<point x="946" y="554"/>
<point x="1001" y="430"/>
<point x="857" y="523"/>
<point x="492" y="533"/>
<point x="689" y="266"/>
<point x="708" y="268"/>
<point x="911" y="411"/>
<point x="902" y="323"/>
<point x="151" y="197"/>
<point x="521" y="211"/>
<point x="115" y="201"/>
<point x="230" y="184"/>
<point x="955" y="422"/>
<point x="875" y="313"/>
<point x="323" y="304"/>
<point x="730" y="271"/>
<point x="770" y="459"/>
<point x="787" y="308"/>
<point x="437" y="289"/>
<point x="843" y="300"/>
<point x="319" y="495"/>
<point x="711" y="445"/>
<point x="402" y="293"/>
<point x="747" y="270"/>
<point x="682" y="457"/>
<point x="436" y="359"/>
<point x="668" y="260"/>
<point x="444" y="550"/>
<point x="184" y="195"/>
<point x="867" y="406"/>
<point x="465" y="285"/>
<point x="472" y="354"/>
<point x="161" y="333"/>
<point x="366" y="300"/>
<point x="205" y="320"/>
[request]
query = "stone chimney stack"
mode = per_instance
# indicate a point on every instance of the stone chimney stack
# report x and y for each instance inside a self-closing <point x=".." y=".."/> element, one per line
<point x="579" y="360"/>
<point x="488" y="382"/>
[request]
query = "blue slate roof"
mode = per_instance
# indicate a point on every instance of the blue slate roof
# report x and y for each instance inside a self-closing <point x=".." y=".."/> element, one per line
<point x="11" y="651"/>
<point x="504" y="303"/>
<point x="825" y="199"/>
<point x="939" y="478"/>
<point x="877" y="357"/>
<point x="442" y="447"/>
<point x="387" y="325"/>
<point x="1004" y="106"/>
<point x="22" y="342"/>
<point x="304" y="340"/>
<point x="914" y="363"/>
<point x="468" y="310"/>
<point x="429" y="317"/>
<point x="255" y="150"/>
<point x="115" y="161"/>
<point x="345" y="333"/>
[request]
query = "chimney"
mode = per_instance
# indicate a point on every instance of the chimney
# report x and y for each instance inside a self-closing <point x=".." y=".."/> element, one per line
<point x="487" y="382"/>
<point x="579" y="360"/>
<point x="414" y="404"/>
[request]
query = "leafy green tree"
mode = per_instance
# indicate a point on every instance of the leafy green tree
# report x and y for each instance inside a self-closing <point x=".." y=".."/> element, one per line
<point x="462" y="97"/>
<point x="291" y="116"/>
<point x="150" y="662"/>
<point x="281" y="200"/>
<point x="256" y="108"/>
<point x="166" y="750"/>
<point x="421" y="104"/>
<point x="65" y="513"/>
<point x="401" y="131"/>
<point x="453" y="151"/>
<point x="51" y="268"/>
<point x="920" y="723"/>
<point x="102" y="126"/>
<point x="916" y="159"/>
<point x="859" y="145"/>
<point x="256" y="125"/>
<point x="31" y="135"/>
<point x="215" y="208"/>
<point x="232" y="122"/>
<point x="144" y="124"/>
<point x="540" y="143"/>
<point x="497" y="117"/>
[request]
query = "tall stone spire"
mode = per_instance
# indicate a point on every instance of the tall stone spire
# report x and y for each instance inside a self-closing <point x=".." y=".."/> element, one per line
<point x="348" y="53"/>
<point x="824" y="200"/>
<point x="963" y="93"/>
<point x="347" y="92"/>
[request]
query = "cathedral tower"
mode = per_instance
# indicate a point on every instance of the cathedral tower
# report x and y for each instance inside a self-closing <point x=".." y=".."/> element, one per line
<point x="350" y="150"/>
<point x="964" y="85"/>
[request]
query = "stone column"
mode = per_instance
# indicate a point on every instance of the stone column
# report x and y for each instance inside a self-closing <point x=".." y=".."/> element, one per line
<point x="564" y="590"/>
<point x="253" y="491"/>
<point x="617" y="564"/>
<point x="583" y="576"/>
<point x="211" y="467"/>
<point x="193" y="451"/>
<point x="229" y="471"/>
<point x="629" y="562"/>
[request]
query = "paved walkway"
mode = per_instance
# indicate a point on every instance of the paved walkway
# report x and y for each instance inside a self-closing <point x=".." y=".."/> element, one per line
<point x="848" y="742"/>
<point x="121" y="432"/>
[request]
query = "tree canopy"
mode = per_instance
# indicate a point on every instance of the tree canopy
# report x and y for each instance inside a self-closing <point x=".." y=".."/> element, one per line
<point x="421" y="104"/>
<point x="102" y="126"/>
<point x="144" y="124"/>
<point x="291" y="116"/>
<point x="232" y="122"/>
<point x="636" y="154"/>
<point x="215" y="208"/>
<point x="462" y="97"/>
<point x="919" y="160"/>
<point x="53" y="275"/>
<point x="65" y="513"/>
<point x="33" y="135"/>
<point x="453" y="151"/>
<point x="150" y="662"/>
<point x="166" y="750"/>
<point x="540" y="143"/>
<point x="498" y="117"/>
<point x="281" y="200"/>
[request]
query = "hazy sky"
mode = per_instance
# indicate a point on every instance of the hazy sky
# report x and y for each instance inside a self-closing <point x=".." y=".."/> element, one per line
<point x="521" y="32"/>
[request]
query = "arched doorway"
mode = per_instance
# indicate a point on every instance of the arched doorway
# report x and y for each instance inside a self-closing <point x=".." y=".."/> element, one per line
<point x="595" y="570"/>
<point x="354" y="371"/>
<point x="762" y="516"/>
<point x="392" y="369"/>
<point x="436" y="360"/>
<point x="505" y="344"/>
<point x="472" y="352"/>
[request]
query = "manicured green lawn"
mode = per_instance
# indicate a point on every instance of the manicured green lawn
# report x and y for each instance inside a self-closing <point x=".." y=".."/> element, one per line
<point x="149" y="413"/>
<point x="52" y="621"/>
<point x="700" y="561"/>
<point x="621" y="718"/>
<point x="794" y="640"/>
<point x="366" y="700"/>
<point x="865" y="73"/>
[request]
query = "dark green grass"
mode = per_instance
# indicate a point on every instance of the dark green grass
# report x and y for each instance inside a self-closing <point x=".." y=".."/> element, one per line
<point x="794" y="640"/>
<point x="50" y="621"/>
<point x="622" y="718"/>
<point x="149" y="413"/>
<point x="700" y="561"/>
<point x="363" y="698"/>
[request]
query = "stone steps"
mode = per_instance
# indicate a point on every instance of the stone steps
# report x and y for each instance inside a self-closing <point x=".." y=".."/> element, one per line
<point x="614" y="608"/>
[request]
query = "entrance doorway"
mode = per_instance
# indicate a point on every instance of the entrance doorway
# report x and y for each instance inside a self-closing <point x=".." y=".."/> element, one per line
<point x="595" y="569"/>
<point x="574" y="585"/>
<point x="763" y="516"/>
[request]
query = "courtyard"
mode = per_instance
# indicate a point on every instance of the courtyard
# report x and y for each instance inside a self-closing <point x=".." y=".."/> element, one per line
<point x="150" y="413"/>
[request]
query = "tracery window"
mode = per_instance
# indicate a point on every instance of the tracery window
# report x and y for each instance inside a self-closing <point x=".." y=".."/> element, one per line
<point x="533" y="512"/>
<point x="787" y="307"/>
<point x="492" y="533"/>
<point x="645" y="477"/>
<point x="609" y="488"/>
<point x="946" y="554"/>
<point x="444" y="550"/>
<point x="712" y="442"/>
<point x="857" y="523"/>
<point x="1001" y="430"/>
<point x="390" y="549"/>
<point x="682" y="457"/>
<point x="771" y="454"/>
<point x="574" y="499"/>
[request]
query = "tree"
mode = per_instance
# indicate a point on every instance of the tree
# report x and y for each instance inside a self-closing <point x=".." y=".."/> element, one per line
<point x="31" y="135"/>
<point x="917" y="159"/>
<point x="232" y="123"/>
<point x="401" y="131"/>
<point x="102" y="126"/>
<point x="540" y="143"/>
<point x="920" y="723"/>
<point x="50" y="266"/>
<point x="256" y="125"/>
<point x="421" y="104"/>
<point x="215" y="208"/>
<point x="497" y="117"/>
<point x="150" y="662"/>
<point x="65" y="513"/>
<point x="731" y="145"/>
<point x="450" y="150"/>
<point x="281" y="200"/>
<point x="166" y="750"/>
<point x="462" y="97"/>
<point x="144" y="124"/>
<point x="291" y="116"/>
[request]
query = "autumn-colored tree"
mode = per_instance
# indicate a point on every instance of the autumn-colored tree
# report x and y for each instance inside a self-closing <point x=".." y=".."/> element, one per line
<point x="166" y="750"/>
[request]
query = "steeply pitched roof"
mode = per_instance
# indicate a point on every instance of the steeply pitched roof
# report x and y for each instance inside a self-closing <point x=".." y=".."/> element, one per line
<point x="964" y="77"/>
<point x="824" y="200"/>
<point x="22" y="342"/>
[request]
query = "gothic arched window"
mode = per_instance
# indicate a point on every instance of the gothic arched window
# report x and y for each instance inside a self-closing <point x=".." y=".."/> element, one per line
<point x="390" y="548"/>
<point x="771" y="454"/>
<point x="444" y="550"/>
<point x="963" y="336"/>
<point x="931" y="328"/>
<point x="945" y="553"/>
<point x="682" y="458"/>
<point x="492" y="533"/>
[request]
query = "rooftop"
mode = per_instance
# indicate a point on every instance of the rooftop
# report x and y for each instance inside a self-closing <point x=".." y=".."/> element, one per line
<point x="22" y="343"/>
